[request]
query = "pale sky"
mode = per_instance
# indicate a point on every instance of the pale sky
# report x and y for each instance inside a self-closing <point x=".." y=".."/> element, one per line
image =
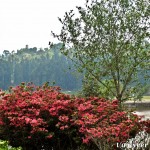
<point x="30" y="22"/>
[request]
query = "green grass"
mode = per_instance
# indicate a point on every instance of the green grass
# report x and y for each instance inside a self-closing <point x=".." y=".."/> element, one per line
<point x="147" y="98"/>
<point x="75" y="92"/>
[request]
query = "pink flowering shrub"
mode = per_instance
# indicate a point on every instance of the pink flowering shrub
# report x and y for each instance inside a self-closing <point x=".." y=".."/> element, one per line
<point x="102" y="122"/>
<point x="43" y="117"/>
<point x="38" y="117"/>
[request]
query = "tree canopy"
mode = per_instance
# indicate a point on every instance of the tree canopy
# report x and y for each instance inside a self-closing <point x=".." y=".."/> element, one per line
<point x="109" y="41"/>
<point x="38" y="66"/>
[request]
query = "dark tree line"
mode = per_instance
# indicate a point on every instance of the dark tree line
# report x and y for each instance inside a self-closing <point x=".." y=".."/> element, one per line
<point x="38" y="66"/>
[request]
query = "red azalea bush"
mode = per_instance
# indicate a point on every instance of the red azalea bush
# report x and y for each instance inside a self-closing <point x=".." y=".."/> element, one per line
<point x="43" y="117"/>
<point x="102" y="122"/>
<point x="38" y="117"/>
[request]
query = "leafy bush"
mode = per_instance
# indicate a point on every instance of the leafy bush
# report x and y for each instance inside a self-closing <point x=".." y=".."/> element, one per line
<point x="44" y="118"/>
<point x="5" y="146"/>
<point x="38" y="117"/>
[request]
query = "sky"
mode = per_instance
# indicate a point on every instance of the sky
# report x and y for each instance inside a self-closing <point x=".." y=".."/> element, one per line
<point x="30" y="22"/>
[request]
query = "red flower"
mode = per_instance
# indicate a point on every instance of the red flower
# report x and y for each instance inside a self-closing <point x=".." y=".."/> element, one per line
<point x="41" y="109"/>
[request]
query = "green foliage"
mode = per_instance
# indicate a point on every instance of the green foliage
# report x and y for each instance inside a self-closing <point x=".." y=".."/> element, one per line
<point x="141" y="91"/>
<point x="107" y="40"/>
<point x="91" y="87"/>
<point x="38" y="66"/>
<point x="5" y="146"/>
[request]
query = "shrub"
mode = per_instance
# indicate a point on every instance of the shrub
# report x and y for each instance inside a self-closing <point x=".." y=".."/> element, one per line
<point x="44" y="118"/>
<point x="38" y="117"/>
<point x="102" y="122"/>
<point x="4" y="145"/>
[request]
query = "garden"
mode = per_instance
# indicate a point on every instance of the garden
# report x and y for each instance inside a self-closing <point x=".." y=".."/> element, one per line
<point x="107" y="42"/>
<point x="36" y="118"/>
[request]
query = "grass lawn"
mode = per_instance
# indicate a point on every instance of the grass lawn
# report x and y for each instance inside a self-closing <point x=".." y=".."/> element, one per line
<point x="147" y="98"/>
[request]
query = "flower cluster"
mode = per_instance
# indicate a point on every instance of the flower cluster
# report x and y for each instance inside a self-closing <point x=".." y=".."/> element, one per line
<point x="102" y="119"/>
<point x="30" y="114"/>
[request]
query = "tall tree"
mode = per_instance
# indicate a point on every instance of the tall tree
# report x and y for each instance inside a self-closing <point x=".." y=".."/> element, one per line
<point x="37" y="66"/>
<point x="108" y="41"/>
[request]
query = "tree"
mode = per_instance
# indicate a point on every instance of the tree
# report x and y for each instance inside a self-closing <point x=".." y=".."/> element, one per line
<point x="30" y="65"/>
<point x="108" y="40"/>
